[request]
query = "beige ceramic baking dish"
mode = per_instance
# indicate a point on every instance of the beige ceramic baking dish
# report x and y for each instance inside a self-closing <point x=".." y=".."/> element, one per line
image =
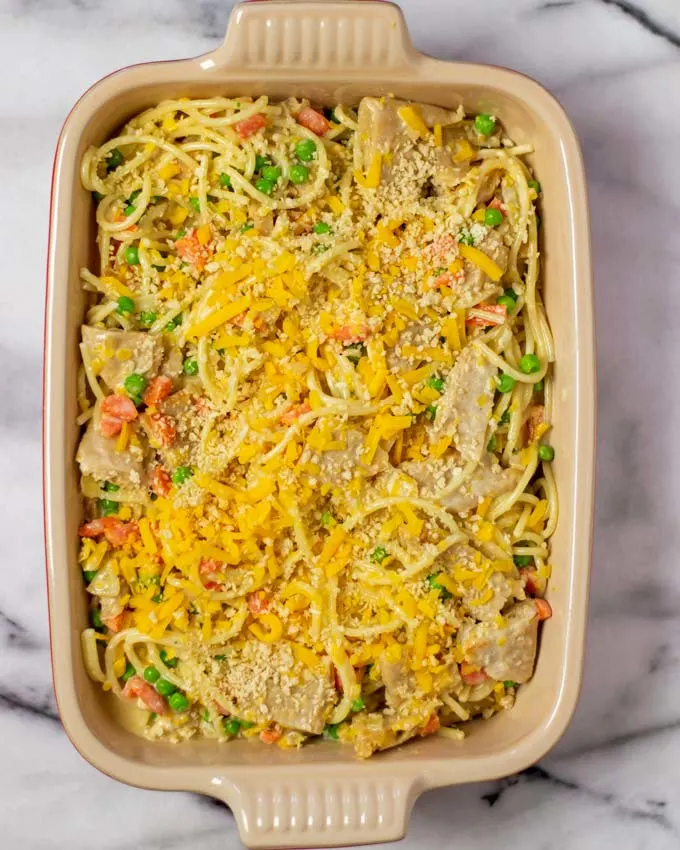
<point x="320" y="795"/>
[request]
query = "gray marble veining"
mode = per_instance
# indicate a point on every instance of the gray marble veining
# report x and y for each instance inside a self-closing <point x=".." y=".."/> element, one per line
<point x="614" y="779"/>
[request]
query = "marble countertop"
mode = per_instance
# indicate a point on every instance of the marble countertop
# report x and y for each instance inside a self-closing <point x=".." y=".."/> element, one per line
<point x="614" y="779"/>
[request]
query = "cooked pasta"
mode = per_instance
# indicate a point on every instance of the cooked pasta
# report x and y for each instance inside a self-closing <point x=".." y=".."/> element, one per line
<point x="315" y="391"/>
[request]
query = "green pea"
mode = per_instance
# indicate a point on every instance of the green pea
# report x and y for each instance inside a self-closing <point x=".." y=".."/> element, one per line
<point x="225" y="180"/>
<point x="299" y="174"/>
<point x="151" y="674"/>
<point x="125" y="305"/>
<point x="129" y="671"/>
<point x="165" y="688"/>
<point x="130" y="208"/>
<point x="96" y="619"/>
<point x="509" y="684"/>
<point x="147" y="318"/>
<point x="522" y="560"/>
<point x="169" y="662"/>
<point x="132" y="255"/>
<point x="505" y="418"/>
<point x="485" y="124"/>
<point x="539" y="386"/>
<point x="231" y="726"/>
<point x="89" y="575"/>
<point x="546" y="452"/>
<point x="328" y="520"/>
<point x="431" y="412"/>
<point x="530" y="363"/>
<point x="491" y="445"/>
<point x="305" y="150"/>
<point x="174" y="323"/>
<point x="110" y="487"/>
<point x="492" y="217"/>
<point x="261" y="162"/>
<point x="246" y="724"/>
<point x="435" y="383"/>
<point x="264" y="186"/>
<point x="510" y="293"/>
<point x="379" y="554"/>
<point x="190" y="367"/>
<point x="134" y="384"/>
<point x="331" y="732"/>
<point x="271" y="172"/>
<point x="358" y="704"/>
<point x="535" y="185"/>
<point x="196" y="204"/>
<point x="178" y="702"/>
<point x="321" y="227"/>
<point x="98" y="196"/>
<point x="182" y="474"/>
<point x="507" y="302"/>
<point x="220" y="657"/>
<point x="114" y="159"/>
<point x="108" y="507"/>
<point x="505" y="383"/>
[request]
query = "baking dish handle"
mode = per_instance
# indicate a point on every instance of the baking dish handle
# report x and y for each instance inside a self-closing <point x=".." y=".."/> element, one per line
<point x="319" y="809"/>
<point x="344" y="35"/>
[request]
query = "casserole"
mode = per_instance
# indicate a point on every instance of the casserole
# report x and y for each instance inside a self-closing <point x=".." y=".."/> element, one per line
<point x="330" y="52"/>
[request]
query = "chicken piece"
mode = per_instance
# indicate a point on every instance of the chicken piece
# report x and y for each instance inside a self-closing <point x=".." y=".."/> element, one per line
<point x="504" y="652"/>
<point x="121" y="353"/>
<point x="382" y="130"/>
<point x="474" y="285"/>
<point x="399" y="681"/>
<point x="98" y="457"/>
<point x="175" y="430"/>
<point x="340" y="465"/>
<point x="435" y="477"/>
<point x="415" y="333"/>
<point x="413" y="166"/>
<point x="267" y="684"/>
<point x="504" y="586"/>
<point x="465" y="407"/>
<point x="303" y="706"/>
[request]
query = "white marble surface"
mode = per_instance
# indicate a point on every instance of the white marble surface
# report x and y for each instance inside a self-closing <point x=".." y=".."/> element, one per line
<point x="614" y="780"/>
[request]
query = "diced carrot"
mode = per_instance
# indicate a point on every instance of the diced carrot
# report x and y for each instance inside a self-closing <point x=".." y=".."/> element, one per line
<point x="446" y="279"/>
<point x="430" y="727"/>
<point x="114" y="530"/>
<point x="115" y="623"/>
<point x="295" y="412"/>
<point x="209" y="567"/>
<point x="116" y="410"/>
<point x="158" y="390"/>
<point x="257" y="603"/>
<point x="497" y="204"/>
<point x="160" y="481"/>
<point x="314" y="121"/>
<point x="271" y="736"/>
<point x="250" y="125"/>
<point x="543" y="609"/>
<point x="472" y="675"/>
<point x="497" y="309"/>
<point x="528" y="574"/>
<point x="351" y="333"/>
<point x="137" y="688"/>
<point x="160" y="428"/>
<point x="191" y="250"/>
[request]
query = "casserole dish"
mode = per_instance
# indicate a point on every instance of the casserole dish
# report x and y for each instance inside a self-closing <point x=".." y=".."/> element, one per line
<point x="330" y="52"/>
